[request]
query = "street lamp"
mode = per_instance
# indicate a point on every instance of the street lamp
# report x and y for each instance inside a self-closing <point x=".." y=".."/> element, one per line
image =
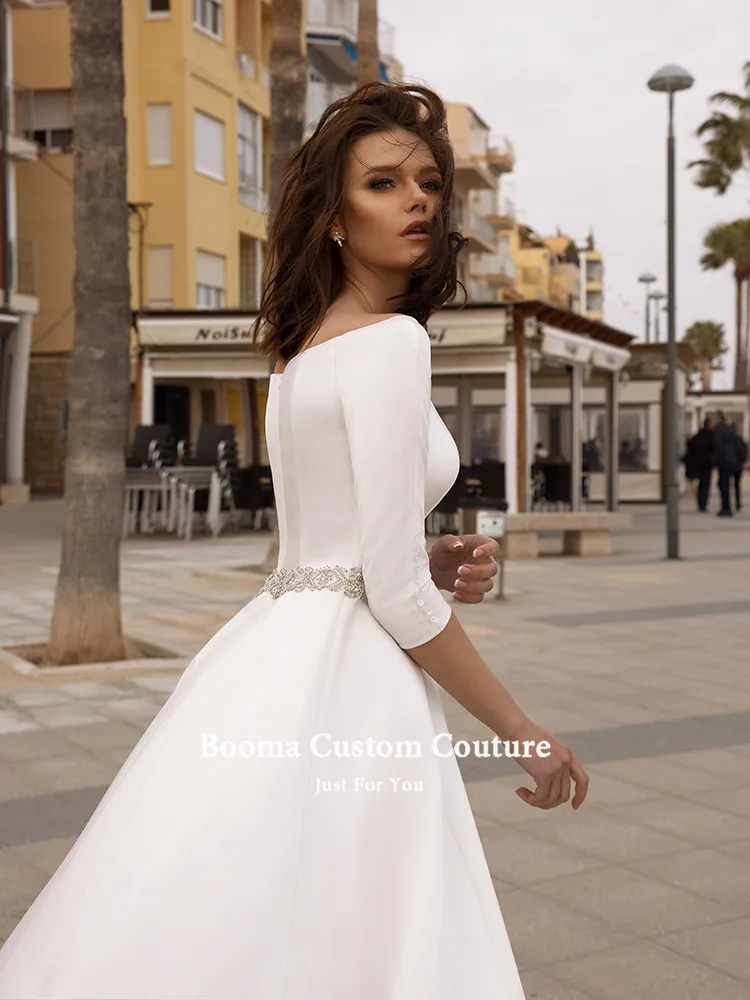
<point x="657" y="297"/>
<point x="648" y="279"/>
<point x="669" y="80"/>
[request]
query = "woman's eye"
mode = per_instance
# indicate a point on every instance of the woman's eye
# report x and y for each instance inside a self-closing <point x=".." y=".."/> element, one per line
<point x="434" y="185"/>
<point x="378" y="185"/>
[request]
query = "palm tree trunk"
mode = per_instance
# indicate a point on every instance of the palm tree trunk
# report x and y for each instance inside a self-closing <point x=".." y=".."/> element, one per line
<point x="288" y="117"/>
<point x="704" y="365"/>
<point x="87" y="619"/>
<point x="744" y="351"/>
<point x="368" y="58"/>
<point x="740" y="357"/>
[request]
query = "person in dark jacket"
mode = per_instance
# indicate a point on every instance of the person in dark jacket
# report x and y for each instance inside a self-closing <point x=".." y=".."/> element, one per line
<point x="699" y="462"/>
<point x="727" y="452"/>
<point x="737" y="477"/>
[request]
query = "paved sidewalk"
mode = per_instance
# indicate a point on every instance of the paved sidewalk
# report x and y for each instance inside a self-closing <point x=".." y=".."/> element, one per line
<point x="643" y="666"/>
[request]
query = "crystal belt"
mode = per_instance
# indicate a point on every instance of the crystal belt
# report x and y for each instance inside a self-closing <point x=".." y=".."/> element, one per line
<point x="337" y="578"/>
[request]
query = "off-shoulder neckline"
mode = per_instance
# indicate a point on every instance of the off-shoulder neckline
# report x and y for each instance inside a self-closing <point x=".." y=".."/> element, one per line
<point x="346" y="333"/>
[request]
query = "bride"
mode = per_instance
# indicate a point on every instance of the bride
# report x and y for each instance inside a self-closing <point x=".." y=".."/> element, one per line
<point x="293" y="824"/>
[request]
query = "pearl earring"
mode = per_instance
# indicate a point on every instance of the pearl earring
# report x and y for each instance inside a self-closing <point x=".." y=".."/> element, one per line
<point x="338" y="238"/>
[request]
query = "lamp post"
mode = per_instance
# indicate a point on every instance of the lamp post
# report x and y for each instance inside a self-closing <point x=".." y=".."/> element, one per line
<point x="669" y="80"/>
<point x="647" y="279"/>
<point x="657" y="297"/>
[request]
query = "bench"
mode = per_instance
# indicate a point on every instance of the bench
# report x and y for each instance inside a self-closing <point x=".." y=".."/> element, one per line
<point x="588" y="533"/>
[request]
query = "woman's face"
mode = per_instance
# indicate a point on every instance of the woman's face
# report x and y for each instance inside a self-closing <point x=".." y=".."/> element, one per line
<point x="392" y="188"/>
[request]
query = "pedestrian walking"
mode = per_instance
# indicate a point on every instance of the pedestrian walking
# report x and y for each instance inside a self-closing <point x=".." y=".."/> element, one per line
<point x="699" y="462"/>
<point x="737" y="477"/>
<point x="727" y="452"/>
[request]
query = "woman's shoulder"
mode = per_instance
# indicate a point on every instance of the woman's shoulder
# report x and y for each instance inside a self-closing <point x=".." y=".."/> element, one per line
<point x="388" y="330"/>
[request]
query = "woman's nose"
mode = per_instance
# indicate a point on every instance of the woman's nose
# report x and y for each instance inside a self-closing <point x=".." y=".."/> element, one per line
<point x="418" y="196"/>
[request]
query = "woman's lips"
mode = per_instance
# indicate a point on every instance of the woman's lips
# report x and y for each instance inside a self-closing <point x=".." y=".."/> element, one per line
<point x="416" y="236"/>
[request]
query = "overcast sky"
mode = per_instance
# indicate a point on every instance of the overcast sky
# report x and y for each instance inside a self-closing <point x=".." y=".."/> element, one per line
<point x="566" y="83"/>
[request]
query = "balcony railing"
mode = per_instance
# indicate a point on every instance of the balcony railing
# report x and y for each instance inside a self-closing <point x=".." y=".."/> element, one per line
<point x="340" y="14"/>
<point x="21" y="117"/>
<point x="251" y="195"/>
<point x="23" y="267"/>
<point x="474" y="223"/>
<point x="479" y="291"/>
<point x="477" y="141"/>
<point x="501" y="154"/>
<point x="496" y="265"/>
<point x="386" y="39"/>
<point x="247" y="65"/>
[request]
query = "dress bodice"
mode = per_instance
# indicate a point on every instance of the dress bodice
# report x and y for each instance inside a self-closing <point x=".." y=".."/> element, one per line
<point x="359" y="456"/>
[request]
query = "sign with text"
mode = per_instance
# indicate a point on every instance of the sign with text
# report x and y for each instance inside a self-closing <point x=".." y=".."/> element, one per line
<point x="198" y="331"/>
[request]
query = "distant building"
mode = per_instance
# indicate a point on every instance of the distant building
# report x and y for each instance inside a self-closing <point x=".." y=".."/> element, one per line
<point x="486" y="267"/>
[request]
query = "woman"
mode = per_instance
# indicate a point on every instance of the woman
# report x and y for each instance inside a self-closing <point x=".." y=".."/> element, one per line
<point x="293" y="824"/>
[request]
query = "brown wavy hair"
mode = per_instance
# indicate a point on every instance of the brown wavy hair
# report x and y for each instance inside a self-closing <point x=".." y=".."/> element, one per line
<point x="304" y="272"/>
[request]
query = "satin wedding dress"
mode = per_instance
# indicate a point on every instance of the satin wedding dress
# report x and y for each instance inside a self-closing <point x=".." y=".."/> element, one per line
<point x="213" y="870"/>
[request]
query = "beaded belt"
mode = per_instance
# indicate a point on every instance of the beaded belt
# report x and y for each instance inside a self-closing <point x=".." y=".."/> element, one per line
<point x="337" y="578"/>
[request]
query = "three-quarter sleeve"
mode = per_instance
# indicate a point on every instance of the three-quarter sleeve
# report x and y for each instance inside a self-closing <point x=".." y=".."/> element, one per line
<point x="383" y="377"/>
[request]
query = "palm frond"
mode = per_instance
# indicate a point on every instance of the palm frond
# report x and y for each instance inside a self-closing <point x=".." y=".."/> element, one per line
<point x="739" y="102"/>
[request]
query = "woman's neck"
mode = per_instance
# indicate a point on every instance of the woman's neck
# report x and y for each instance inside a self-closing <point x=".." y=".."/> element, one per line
<point x="374" y="291"/>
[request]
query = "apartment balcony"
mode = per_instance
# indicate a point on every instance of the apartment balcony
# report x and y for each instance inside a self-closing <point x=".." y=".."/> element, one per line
<point x="386" y="40"/>
<point x="332" y="32"/>
<point x="480" y="291"/>
<point x="500" y="212"/>
<point x="478" y="230"/>
<point x="21" y="125"/>
<point x="23" y="267"/>
<point x="247" y="66"/>
<point x="474" y="175"/>
<point x="500" y="155"/>
<point x="251" y="196"/>
<point x="497" y="269"/>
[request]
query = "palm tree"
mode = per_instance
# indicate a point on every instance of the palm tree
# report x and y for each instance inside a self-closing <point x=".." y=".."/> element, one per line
<point x="726" y="138"/>
<point x="288" y="117"/>
<point x="729" y="243"/>
<point x="87" y="618"/>
<point x="288" y="88"/>
<point x="707" y="340"/>
<point x="368" y="57"/>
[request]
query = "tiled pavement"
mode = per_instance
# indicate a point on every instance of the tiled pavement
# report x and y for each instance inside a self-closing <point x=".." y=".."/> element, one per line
<point x="642" y="665"/>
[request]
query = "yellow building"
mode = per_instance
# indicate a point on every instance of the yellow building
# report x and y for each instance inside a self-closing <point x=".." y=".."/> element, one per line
<point x="593" y="280"/>
<point x="197" y="108"/>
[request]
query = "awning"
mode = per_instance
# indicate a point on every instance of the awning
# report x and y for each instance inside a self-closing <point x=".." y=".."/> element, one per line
<point x="205" y="331"/>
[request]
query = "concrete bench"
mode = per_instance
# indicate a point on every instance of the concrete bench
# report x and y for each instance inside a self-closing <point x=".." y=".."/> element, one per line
<point x="588" y="533"/>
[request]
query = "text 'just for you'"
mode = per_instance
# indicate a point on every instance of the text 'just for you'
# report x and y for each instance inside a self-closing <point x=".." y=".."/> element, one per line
<point x="324" y="745"/>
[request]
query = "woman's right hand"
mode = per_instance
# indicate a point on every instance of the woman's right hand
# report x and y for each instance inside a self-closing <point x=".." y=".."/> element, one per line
<point x="553" y="774"/>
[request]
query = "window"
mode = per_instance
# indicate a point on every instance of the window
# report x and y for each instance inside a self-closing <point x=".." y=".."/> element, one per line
<point x="632" y="443"/>
<point x="250" y="156"/>
<point x="159" y="134"/>
<point x="48" y="120"/>
<point x="633" y="439"/>
<point x="209" y="146"/>
<point x="159" y="275"/>
<point x="157" y="8"/>
<point x="210" y="281"/>
<point x="207" y="15"/>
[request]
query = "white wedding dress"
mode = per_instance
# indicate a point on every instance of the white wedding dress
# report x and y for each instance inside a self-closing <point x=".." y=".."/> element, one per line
<point x="207" y="876"/>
